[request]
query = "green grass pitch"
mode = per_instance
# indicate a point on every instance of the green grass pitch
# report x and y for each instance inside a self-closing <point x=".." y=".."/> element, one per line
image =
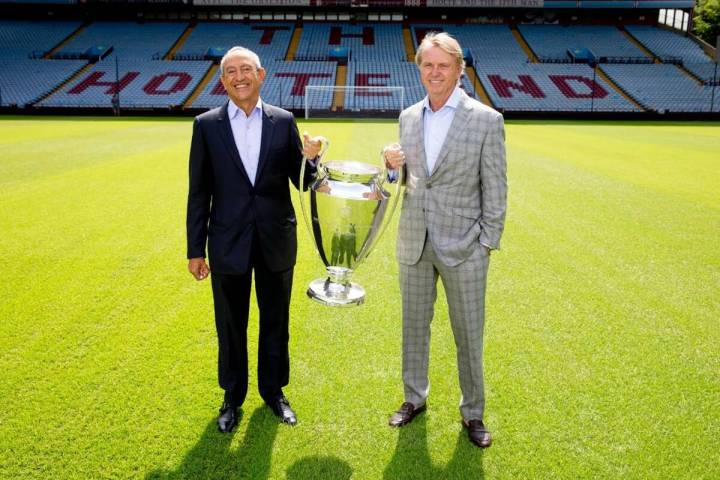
<point x="602" y="335"/>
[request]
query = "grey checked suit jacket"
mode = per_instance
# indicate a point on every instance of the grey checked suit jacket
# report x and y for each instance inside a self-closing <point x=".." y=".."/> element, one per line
<point x="461" y="203"/>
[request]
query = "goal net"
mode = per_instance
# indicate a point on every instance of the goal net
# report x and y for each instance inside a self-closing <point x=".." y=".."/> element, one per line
<point x="328" y="102"/>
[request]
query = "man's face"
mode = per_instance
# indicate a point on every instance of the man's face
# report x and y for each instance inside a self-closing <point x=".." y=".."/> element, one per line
<point x="439" y="72"/>
<point x="241" y="79"/>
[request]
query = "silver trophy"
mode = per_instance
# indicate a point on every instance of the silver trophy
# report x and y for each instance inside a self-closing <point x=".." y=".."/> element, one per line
<point x="346" y="209"/>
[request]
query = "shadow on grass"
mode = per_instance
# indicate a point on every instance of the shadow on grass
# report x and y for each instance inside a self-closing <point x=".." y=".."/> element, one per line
<point x="316" y="466"/>
<point x="411" y="459"/>
<point x="212" y="458"/>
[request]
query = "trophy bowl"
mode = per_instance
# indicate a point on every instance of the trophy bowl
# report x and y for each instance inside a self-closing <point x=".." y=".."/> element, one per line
<point x="346" y="209"/>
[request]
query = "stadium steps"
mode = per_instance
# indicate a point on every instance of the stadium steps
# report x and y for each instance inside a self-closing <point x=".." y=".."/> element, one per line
<point x="179" y="42"/>
<point x="62" y="85"/>
<point x="409" y="49"/>
<point x="338" y="102"/>
<point x="690" y="74"/>
<point x="620" y="90"/>
<point x="65" y="41"/>
<point x="210" y="75"/>
<point x="631" y="38"/>
<point x="294" y="42"/>
<point x="479" y="87"/>
<point x="523" y="44"/>
<point x="650" y="54"/>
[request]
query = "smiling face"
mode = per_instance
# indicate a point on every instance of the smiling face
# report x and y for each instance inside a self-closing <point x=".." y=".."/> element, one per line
<point x="440" y="74"/>
<point x="242" y="81"/>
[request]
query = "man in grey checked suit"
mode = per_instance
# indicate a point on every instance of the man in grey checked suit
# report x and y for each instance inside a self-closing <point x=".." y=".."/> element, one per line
<point x="453" y="214"/>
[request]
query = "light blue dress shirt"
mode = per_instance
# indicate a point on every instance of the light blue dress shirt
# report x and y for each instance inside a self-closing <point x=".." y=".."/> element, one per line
<point x="436" y="126"/>
<point x="247" y="132"/>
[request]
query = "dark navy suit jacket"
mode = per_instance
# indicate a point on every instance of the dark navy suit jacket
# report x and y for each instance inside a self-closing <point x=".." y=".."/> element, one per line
<point x="225" y="210"/>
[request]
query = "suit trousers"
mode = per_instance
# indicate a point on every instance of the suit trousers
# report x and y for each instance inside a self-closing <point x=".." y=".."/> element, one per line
<point x="231" y="296"/>
<point x="465" y="290"/>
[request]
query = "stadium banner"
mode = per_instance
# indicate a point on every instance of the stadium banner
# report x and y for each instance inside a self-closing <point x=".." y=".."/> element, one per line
<point x="169" y="2"/>
<point x="484" y="3"/>
<point x="252" y="3"/>
<point x="48" y="2"/>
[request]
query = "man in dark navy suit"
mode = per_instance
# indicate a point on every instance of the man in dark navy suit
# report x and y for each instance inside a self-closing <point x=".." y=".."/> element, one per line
<point x="241" y="158"/>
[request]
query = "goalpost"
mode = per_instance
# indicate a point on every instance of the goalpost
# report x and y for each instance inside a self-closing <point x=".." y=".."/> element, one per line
<point x="353" y="101"/>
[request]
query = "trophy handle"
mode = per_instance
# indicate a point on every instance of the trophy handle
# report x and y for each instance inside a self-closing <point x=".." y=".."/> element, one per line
<point x="324" y="145"/>
<point x="394" y="193"/>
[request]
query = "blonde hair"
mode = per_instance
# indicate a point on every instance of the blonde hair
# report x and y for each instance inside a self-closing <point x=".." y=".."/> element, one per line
<point x="240" y="52"/>
<point x="445" y="42"/>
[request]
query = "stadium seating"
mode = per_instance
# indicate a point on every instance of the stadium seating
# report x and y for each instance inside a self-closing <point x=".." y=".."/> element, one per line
<point x="284" y="85"/>
<point x="17" y="90"/>
<point x="494" y="42"/>
<point x="20" y="38"/>
<point x="402" y="74"/>
<point x="667" y="44"/>
<point x="553" y="41"/>
<point x="128" y="39"/>
<point x="377" y="58"/>
<point x="706" y="71"/>
<point x="141" y="84"/>
<point x="549" y="87"/>
<point x="366" y="41"/>
<point x="269" y="40"/>
<point x="664" y="43"/>
<point x="662" y="87"/>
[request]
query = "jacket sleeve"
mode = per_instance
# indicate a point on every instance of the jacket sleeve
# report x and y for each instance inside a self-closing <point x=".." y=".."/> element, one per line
<point x="296" y="158"/>
<point x="493" y="183"/>
<point x="199" y="194"/>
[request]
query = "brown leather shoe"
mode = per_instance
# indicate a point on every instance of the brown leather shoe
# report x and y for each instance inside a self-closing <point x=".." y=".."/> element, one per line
<point x="479" y="435"/>
<point x="406" y="414"/>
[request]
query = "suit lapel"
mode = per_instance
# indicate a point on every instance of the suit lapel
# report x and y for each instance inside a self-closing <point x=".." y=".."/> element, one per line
<point x="420" y="127"/>
<point x="456" y="130"/>
<point x="227" y="136"/>
<point x="268" y="123"/>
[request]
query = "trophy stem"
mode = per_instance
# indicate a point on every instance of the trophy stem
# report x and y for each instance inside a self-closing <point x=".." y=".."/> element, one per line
<point x="336" y="289"/>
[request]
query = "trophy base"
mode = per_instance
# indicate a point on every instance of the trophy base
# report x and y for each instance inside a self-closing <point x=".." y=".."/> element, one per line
<point x="327" y="292"/>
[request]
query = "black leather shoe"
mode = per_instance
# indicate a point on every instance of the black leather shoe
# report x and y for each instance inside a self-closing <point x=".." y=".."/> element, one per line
<point x="479" y="435"/>
<point x="228" y="417"/>
<point x="405" y="415"/>
<point x="281" y="407"/>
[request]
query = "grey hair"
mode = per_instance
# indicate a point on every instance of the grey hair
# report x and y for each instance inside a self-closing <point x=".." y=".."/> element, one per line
<point x="443" y="41"/>
<point x="240" y="52"/>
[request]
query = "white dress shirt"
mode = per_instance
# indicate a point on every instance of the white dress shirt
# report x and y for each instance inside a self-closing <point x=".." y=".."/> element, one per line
<point x="247" y="132"/>
<point x="436" y="126"/>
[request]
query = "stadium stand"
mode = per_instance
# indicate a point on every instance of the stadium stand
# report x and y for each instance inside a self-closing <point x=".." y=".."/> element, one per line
<point x="365" y="41"/>
<point x="707" y="72"/>
<point x="670" y="45"/>
<point x="552" y="42"/>
<point x="269" y="40"/>
<point x="127" y="39"/>
<point x="146" y="84"/>
<point x="374" y="74"/>
<point x="665" y="43"/>
<point x="663" y="88"/>
<point x="284" y="85"/>
<point x="16" y="90"/>
<point x="491" y="42"/>
<point x="19" y="38"/>
<point x="549" y="87"/>
<point x="351" y="54"/>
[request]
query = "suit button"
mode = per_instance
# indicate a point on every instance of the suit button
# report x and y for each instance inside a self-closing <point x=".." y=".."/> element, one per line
<point x="428" y="185"/>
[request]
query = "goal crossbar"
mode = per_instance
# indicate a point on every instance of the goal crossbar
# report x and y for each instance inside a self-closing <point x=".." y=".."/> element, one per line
<point x="338" y="101"/>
